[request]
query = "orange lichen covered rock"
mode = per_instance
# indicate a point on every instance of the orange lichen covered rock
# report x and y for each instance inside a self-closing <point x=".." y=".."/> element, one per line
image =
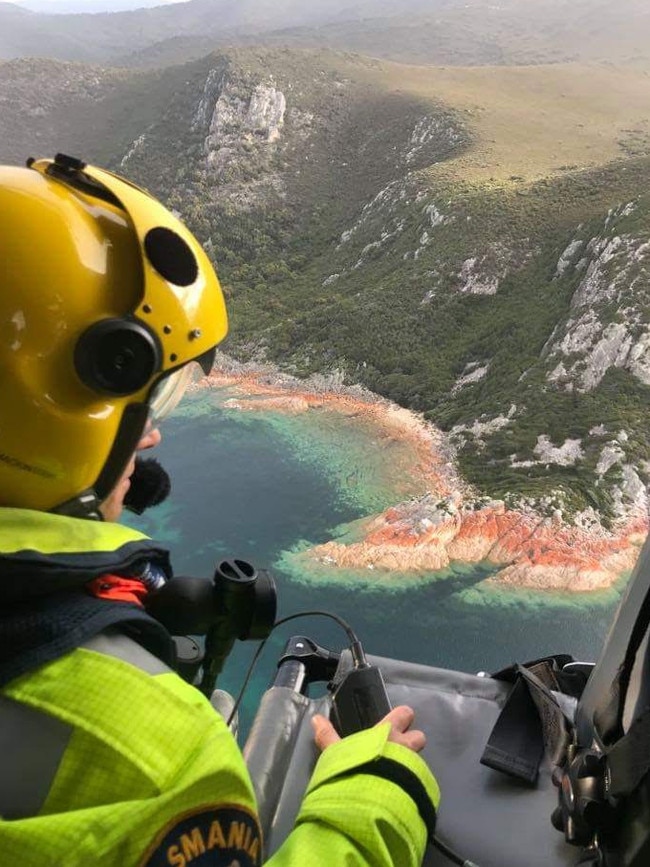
<point x="535" y="553"/>
<point x="445" y="525"/>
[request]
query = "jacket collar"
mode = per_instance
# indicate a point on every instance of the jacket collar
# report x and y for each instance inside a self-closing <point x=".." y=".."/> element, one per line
<point x="45" y="611"/>
<point x="43" y="553"/>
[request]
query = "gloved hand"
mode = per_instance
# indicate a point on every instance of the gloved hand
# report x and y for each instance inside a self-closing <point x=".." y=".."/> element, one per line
<point x="400" y="719"/>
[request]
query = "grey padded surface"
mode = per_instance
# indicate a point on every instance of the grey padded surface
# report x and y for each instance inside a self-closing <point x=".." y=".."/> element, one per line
<point x="485" y="816"/>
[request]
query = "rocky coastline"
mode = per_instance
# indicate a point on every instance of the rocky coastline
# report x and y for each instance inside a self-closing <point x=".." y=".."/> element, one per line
<point x="446" y="523"/>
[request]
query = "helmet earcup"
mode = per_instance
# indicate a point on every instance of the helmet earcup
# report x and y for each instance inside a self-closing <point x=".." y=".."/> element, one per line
<point x="117" y="356"/>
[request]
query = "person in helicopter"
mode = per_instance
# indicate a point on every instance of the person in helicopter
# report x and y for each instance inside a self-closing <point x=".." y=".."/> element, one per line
<point x="109" y="757"/>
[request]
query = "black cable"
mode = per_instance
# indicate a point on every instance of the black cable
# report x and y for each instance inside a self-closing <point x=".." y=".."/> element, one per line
<point x="354" y="642"/>
<point x="450" y="854"/>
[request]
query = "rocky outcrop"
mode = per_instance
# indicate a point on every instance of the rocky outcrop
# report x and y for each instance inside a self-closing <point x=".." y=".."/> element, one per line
<point x="482" y="275"/>
<point x="473" y="372"/>
<point x="566" y="455"/>
<point x="242" y="123"/>
<point x="440" y="133"/>
<point x="608" y="326"/>
<point x="534" y="553"/>
<point x="532" y="546"/>
<point x="231" y="113"/>
<point x="236" y="120"/>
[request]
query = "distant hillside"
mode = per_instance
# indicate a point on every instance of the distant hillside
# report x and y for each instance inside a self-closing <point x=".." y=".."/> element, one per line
<point x="440" y="32"/>
<point x="484" y="34"/>
<point x="101" y="37"/>
<point x="50" y="105"/>
<point x="472" y="244"/>
<point x="476" y="33"/>
<point x="77" y="6"/>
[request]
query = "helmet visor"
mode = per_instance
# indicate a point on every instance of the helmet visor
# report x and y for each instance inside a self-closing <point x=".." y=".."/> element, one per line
<point x="168" y="391"/>
<point x="166" y="395"/>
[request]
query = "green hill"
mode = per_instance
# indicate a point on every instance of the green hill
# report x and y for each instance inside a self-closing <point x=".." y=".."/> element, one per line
<point x="470" y="243"/>
<point x="438" y="32"/>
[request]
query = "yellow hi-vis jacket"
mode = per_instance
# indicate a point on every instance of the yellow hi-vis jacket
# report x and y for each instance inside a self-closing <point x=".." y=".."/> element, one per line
<point x="117" y="762"/>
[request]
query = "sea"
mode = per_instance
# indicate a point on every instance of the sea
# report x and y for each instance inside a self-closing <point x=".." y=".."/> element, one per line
<point x="262" y="485"/>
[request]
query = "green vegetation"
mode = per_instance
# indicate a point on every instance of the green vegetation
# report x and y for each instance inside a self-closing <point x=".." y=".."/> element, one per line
<point x="405" y="227"/>
<point x="395" y="317"/>
<point x="474" y="33"/>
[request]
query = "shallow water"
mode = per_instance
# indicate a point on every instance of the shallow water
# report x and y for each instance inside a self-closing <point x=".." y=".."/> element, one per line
<point x="259" y="485"/>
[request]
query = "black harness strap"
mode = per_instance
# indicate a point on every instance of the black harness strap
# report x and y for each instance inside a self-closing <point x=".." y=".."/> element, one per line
<point x="516" y="745"/>
<point x="531" y="723"/>
<point x="34" y="633"/>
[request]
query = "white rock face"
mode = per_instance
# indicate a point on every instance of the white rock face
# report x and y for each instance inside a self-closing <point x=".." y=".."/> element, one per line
<point x="558" y="373"/>
<point x="230" y="119"/>
<point x="596" y="287"/>
<point x="566" y="455"/>
<point x="377" y="245"/>
<point x="266" y="111"/>
<point x="475" y="283"/>
<point x="638" y="360"/>
<point x="212" y="88"/>
<point x="587" y="520"/>
<point x="567" y="258"/>
<point x="483" y="275"/>
<point x="235" y="120"/>
<point x="436" y="217"/>
<point x="382" y="205"/>
<point x="242" y="126"/>
<point x="480" y="429"/>
<point x="607" y="327"/>
<point x="612" y="350"/>
<point x="429" y="296"/>
<point x="631" y="495"/>
<point x="431" y="130"/>
<point x="473" y="372"/>
<point x="612" y="454"/>
<point x="135" y="147"/>
<point x="581" y="333"/>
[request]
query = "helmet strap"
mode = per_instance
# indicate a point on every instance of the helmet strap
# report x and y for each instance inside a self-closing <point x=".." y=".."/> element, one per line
<point x="84" y="505"/>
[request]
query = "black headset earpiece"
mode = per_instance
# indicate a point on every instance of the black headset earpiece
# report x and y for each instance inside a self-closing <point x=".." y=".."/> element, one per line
<point x="117" y="356"/>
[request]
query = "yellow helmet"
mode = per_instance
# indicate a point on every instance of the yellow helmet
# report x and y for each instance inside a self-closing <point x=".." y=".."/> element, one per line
<point x="107" y="297"/>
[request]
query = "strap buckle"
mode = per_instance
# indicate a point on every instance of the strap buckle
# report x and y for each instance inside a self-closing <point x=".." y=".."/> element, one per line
<point x="584" y="809"/>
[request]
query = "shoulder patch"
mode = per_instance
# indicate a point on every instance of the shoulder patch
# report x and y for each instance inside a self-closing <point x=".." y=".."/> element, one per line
<point x="225" y="835"/>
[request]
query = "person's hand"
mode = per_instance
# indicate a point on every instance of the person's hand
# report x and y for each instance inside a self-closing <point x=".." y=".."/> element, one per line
<point x="400" y="719"/>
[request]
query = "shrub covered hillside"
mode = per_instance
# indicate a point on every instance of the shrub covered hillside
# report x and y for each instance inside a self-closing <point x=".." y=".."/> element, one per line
<point x="470" y="243"/>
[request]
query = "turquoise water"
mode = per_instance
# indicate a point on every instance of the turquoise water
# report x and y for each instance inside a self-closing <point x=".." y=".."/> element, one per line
<point x="261" y="485"/>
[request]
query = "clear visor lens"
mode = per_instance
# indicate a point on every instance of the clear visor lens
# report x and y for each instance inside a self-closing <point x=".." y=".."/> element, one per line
<point x="170" y="390"/>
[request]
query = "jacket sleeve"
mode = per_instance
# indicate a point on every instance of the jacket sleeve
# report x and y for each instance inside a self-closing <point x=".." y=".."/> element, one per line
<point x="370" y="803"/>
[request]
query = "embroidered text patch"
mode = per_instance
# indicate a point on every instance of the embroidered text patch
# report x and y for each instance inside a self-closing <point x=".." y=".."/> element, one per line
<point x="221" y="836"/>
